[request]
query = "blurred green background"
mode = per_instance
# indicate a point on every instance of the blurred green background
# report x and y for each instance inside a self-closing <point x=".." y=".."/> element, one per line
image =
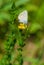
<point x="21" y="47"/>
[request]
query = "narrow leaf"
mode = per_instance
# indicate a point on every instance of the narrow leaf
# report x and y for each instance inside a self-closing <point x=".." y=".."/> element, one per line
<point x="20" y="2"/>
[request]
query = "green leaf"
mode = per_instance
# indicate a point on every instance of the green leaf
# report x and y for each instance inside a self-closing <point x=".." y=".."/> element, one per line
<point x="1" y="2"/>
<point x="7" y="6"/>
<point x="20" y="2"/>
<point x="40" y="15"/>
<point x="32" y="60"/>
<point x="5" y="16"/>
<point x="34" y="27"/>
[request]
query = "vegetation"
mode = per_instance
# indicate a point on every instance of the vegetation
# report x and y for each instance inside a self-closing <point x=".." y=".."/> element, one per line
<point x="13" y="40"/>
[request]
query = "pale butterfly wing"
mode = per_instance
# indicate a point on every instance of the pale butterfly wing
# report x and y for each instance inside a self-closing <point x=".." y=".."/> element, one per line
<point x="23" y="17"/>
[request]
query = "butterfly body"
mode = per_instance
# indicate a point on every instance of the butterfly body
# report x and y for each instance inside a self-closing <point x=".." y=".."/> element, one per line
<point x="23" y="18"/>
<point x="22" y="26"/>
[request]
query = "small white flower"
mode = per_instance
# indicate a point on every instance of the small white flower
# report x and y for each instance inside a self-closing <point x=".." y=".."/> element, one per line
<point x="23" y="17"/>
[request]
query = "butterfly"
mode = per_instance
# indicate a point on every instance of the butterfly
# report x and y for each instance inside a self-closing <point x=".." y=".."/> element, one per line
<point x="23" y="19"/>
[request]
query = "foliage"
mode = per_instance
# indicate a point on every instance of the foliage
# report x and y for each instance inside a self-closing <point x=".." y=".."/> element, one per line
<point x="11" y="35"/>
